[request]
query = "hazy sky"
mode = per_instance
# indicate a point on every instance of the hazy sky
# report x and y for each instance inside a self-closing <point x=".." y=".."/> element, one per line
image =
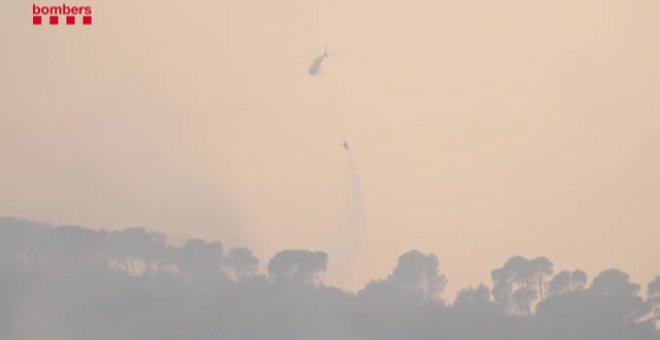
<point x="480" y="129"/>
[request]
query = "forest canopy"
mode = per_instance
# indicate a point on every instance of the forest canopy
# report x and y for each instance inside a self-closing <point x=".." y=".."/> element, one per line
<point x="70" y="282"/>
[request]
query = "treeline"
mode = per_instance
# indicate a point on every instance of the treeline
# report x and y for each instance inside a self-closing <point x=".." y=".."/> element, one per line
<point x="71" y="283"/>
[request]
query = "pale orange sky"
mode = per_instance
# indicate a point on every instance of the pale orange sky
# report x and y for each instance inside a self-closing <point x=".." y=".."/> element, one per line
<point x="480" y="129"/>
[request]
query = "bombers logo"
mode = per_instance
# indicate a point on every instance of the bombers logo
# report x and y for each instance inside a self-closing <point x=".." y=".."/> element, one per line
<point x="53" y="14"/>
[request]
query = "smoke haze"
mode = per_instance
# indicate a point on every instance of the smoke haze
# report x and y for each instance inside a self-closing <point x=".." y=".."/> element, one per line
<point x="481" y="130"/>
